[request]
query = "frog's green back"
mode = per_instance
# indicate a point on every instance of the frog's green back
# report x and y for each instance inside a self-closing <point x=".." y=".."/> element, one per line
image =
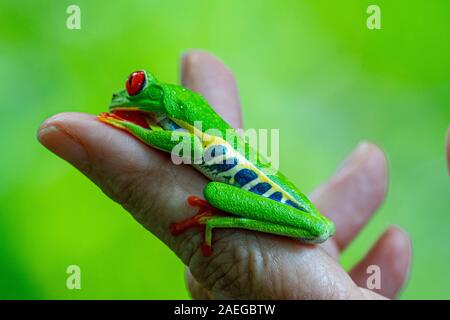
<point x="190" y="107"/>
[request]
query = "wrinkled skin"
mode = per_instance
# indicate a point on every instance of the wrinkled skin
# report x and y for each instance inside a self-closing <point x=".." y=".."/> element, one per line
<point x="244" y="264"/>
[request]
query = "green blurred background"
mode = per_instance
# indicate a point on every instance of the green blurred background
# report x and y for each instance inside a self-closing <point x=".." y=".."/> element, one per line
<point x="310" y="68"/>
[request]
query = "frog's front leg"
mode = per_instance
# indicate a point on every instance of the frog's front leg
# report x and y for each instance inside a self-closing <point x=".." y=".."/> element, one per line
<point x="157" y="137"/>
<point x="250" y="211"/>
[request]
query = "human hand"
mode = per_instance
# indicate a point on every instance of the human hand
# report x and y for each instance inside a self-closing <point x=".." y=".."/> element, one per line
<point x="244" y="264"/>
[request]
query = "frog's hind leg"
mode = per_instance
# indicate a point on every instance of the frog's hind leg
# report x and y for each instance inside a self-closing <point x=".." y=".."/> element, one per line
<point x="209" y="218"/>
<point x="205" y="213"/>
<point x="231" y="207"/>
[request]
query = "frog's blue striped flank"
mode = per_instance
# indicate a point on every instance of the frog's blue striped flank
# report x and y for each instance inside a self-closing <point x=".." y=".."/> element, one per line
<point x="261" y="188"/>
<point x="277" y="196"/>
<point x="244" y="176"/>
<point x="221" y="164"/>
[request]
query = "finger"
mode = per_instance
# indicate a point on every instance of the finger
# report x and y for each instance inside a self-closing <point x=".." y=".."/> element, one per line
<point x="354" y="192"/>
<point x="141" y="179"/>
<point x="448" y="149"/>
<point x="392" y="254"/>
<point x="204" y="73"/>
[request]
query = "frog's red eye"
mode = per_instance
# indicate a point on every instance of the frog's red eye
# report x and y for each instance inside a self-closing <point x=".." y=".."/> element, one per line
<point x="135" y="82"/>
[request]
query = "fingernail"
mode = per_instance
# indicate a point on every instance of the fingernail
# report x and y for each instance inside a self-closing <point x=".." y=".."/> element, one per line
<point x="62" y="144"/>
<point x="44" y="131"/>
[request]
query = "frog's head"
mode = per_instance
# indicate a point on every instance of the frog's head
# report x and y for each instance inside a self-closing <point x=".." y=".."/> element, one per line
<point x="142" y="97"/>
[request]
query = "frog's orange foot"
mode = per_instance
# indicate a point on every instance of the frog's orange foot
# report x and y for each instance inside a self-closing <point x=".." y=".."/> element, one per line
<point x="111" y="119"/>
<point x="108" y="116"/>
<point x="205" y="212"/>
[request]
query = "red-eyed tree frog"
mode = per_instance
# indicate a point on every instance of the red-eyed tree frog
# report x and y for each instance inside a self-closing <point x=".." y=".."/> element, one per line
<point x="243" y="193"/>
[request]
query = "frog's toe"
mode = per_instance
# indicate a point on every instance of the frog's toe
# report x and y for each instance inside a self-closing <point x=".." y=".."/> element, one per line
<point x="111" y="119"/>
